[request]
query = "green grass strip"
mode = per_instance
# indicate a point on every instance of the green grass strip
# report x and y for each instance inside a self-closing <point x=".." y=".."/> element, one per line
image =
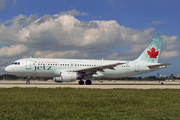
<point x="71" y="103"/>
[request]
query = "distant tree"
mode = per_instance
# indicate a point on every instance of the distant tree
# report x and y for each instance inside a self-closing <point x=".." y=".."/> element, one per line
<point x="139" y="78"/>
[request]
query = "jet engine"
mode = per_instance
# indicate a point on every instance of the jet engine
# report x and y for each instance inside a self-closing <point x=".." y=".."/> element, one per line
<point x="67" y="77"/>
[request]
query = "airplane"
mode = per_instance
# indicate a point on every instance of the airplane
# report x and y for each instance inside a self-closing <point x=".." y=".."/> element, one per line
<point x="69" y="70"/>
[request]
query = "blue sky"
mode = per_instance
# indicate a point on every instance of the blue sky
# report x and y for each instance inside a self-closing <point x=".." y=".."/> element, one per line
<point x="123" y="25"/>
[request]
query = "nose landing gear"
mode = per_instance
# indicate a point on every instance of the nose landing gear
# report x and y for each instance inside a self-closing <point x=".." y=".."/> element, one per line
<point x="28" y="81"/>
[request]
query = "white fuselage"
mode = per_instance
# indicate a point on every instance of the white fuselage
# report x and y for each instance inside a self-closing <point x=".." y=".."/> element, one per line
<point x="44" y="67"/>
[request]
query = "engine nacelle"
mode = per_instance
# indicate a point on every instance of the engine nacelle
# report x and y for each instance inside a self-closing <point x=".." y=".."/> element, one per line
<point x="66" y="77"/>
<point x="57" y="79"/>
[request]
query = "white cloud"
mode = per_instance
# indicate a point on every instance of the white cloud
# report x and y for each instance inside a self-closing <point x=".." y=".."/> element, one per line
<point x="167" y="39"/>
<point x="60" y="34"/>
<point x="133" y="53"/>
<point x="63" y="54"/>
<point x="65" y="32"/>
<point x="12" y="51"/>
<point x="171" y="44"/>
<point x="26" y="21"/>
<point x="172" y="47"/>
<point x="169" y="54"/>
<point x="119" y="56"/>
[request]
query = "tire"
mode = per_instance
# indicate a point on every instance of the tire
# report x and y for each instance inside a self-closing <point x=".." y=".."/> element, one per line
<point x="28" y="83"/>
<point x="81" y="82"/>
<point x="88" y="82"/>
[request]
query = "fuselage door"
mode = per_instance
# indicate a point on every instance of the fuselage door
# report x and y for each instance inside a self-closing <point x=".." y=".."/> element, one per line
<point x="28" y="64"/>
<point x="136" y="66"/>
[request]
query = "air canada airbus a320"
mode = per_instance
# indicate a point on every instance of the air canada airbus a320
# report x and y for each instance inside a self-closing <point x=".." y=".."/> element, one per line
<point x="69" y="70"/>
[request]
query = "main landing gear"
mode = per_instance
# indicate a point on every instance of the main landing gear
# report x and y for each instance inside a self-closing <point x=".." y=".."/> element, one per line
<point x="88" y="82"/>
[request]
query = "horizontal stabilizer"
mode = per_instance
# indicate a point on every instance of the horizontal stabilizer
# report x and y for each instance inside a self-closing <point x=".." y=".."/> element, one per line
<point x="159" y="65"/>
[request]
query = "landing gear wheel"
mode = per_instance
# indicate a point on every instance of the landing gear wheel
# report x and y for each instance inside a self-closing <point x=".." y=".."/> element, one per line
<point x="88" y="82"/>
<point x="81" y="82"/>
<point x="28" y="82"/>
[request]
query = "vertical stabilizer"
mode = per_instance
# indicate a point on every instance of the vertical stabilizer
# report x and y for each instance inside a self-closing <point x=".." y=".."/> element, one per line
<point x="152" y="52"/>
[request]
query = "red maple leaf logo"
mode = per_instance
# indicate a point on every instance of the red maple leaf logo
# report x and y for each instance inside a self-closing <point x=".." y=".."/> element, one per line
<point x="153" y="53"/>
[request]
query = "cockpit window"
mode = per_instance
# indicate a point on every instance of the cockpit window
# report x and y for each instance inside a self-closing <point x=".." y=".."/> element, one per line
<point x="16" y="63"/>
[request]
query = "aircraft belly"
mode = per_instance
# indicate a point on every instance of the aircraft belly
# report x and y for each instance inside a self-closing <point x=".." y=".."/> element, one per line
<point x="118" y="72"/>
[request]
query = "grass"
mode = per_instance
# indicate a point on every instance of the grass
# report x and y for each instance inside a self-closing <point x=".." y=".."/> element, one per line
<point x="69" y="103"/>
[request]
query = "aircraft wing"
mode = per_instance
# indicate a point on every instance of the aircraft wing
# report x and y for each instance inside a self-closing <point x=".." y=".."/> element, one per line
<point x="93" y="70"/>
<point x="159" y="65"/>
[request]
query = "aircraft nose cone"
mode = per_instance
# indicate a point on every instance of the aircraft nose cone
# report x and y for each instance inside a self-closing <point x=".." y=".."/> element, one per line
<point x="7" y="69"/>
